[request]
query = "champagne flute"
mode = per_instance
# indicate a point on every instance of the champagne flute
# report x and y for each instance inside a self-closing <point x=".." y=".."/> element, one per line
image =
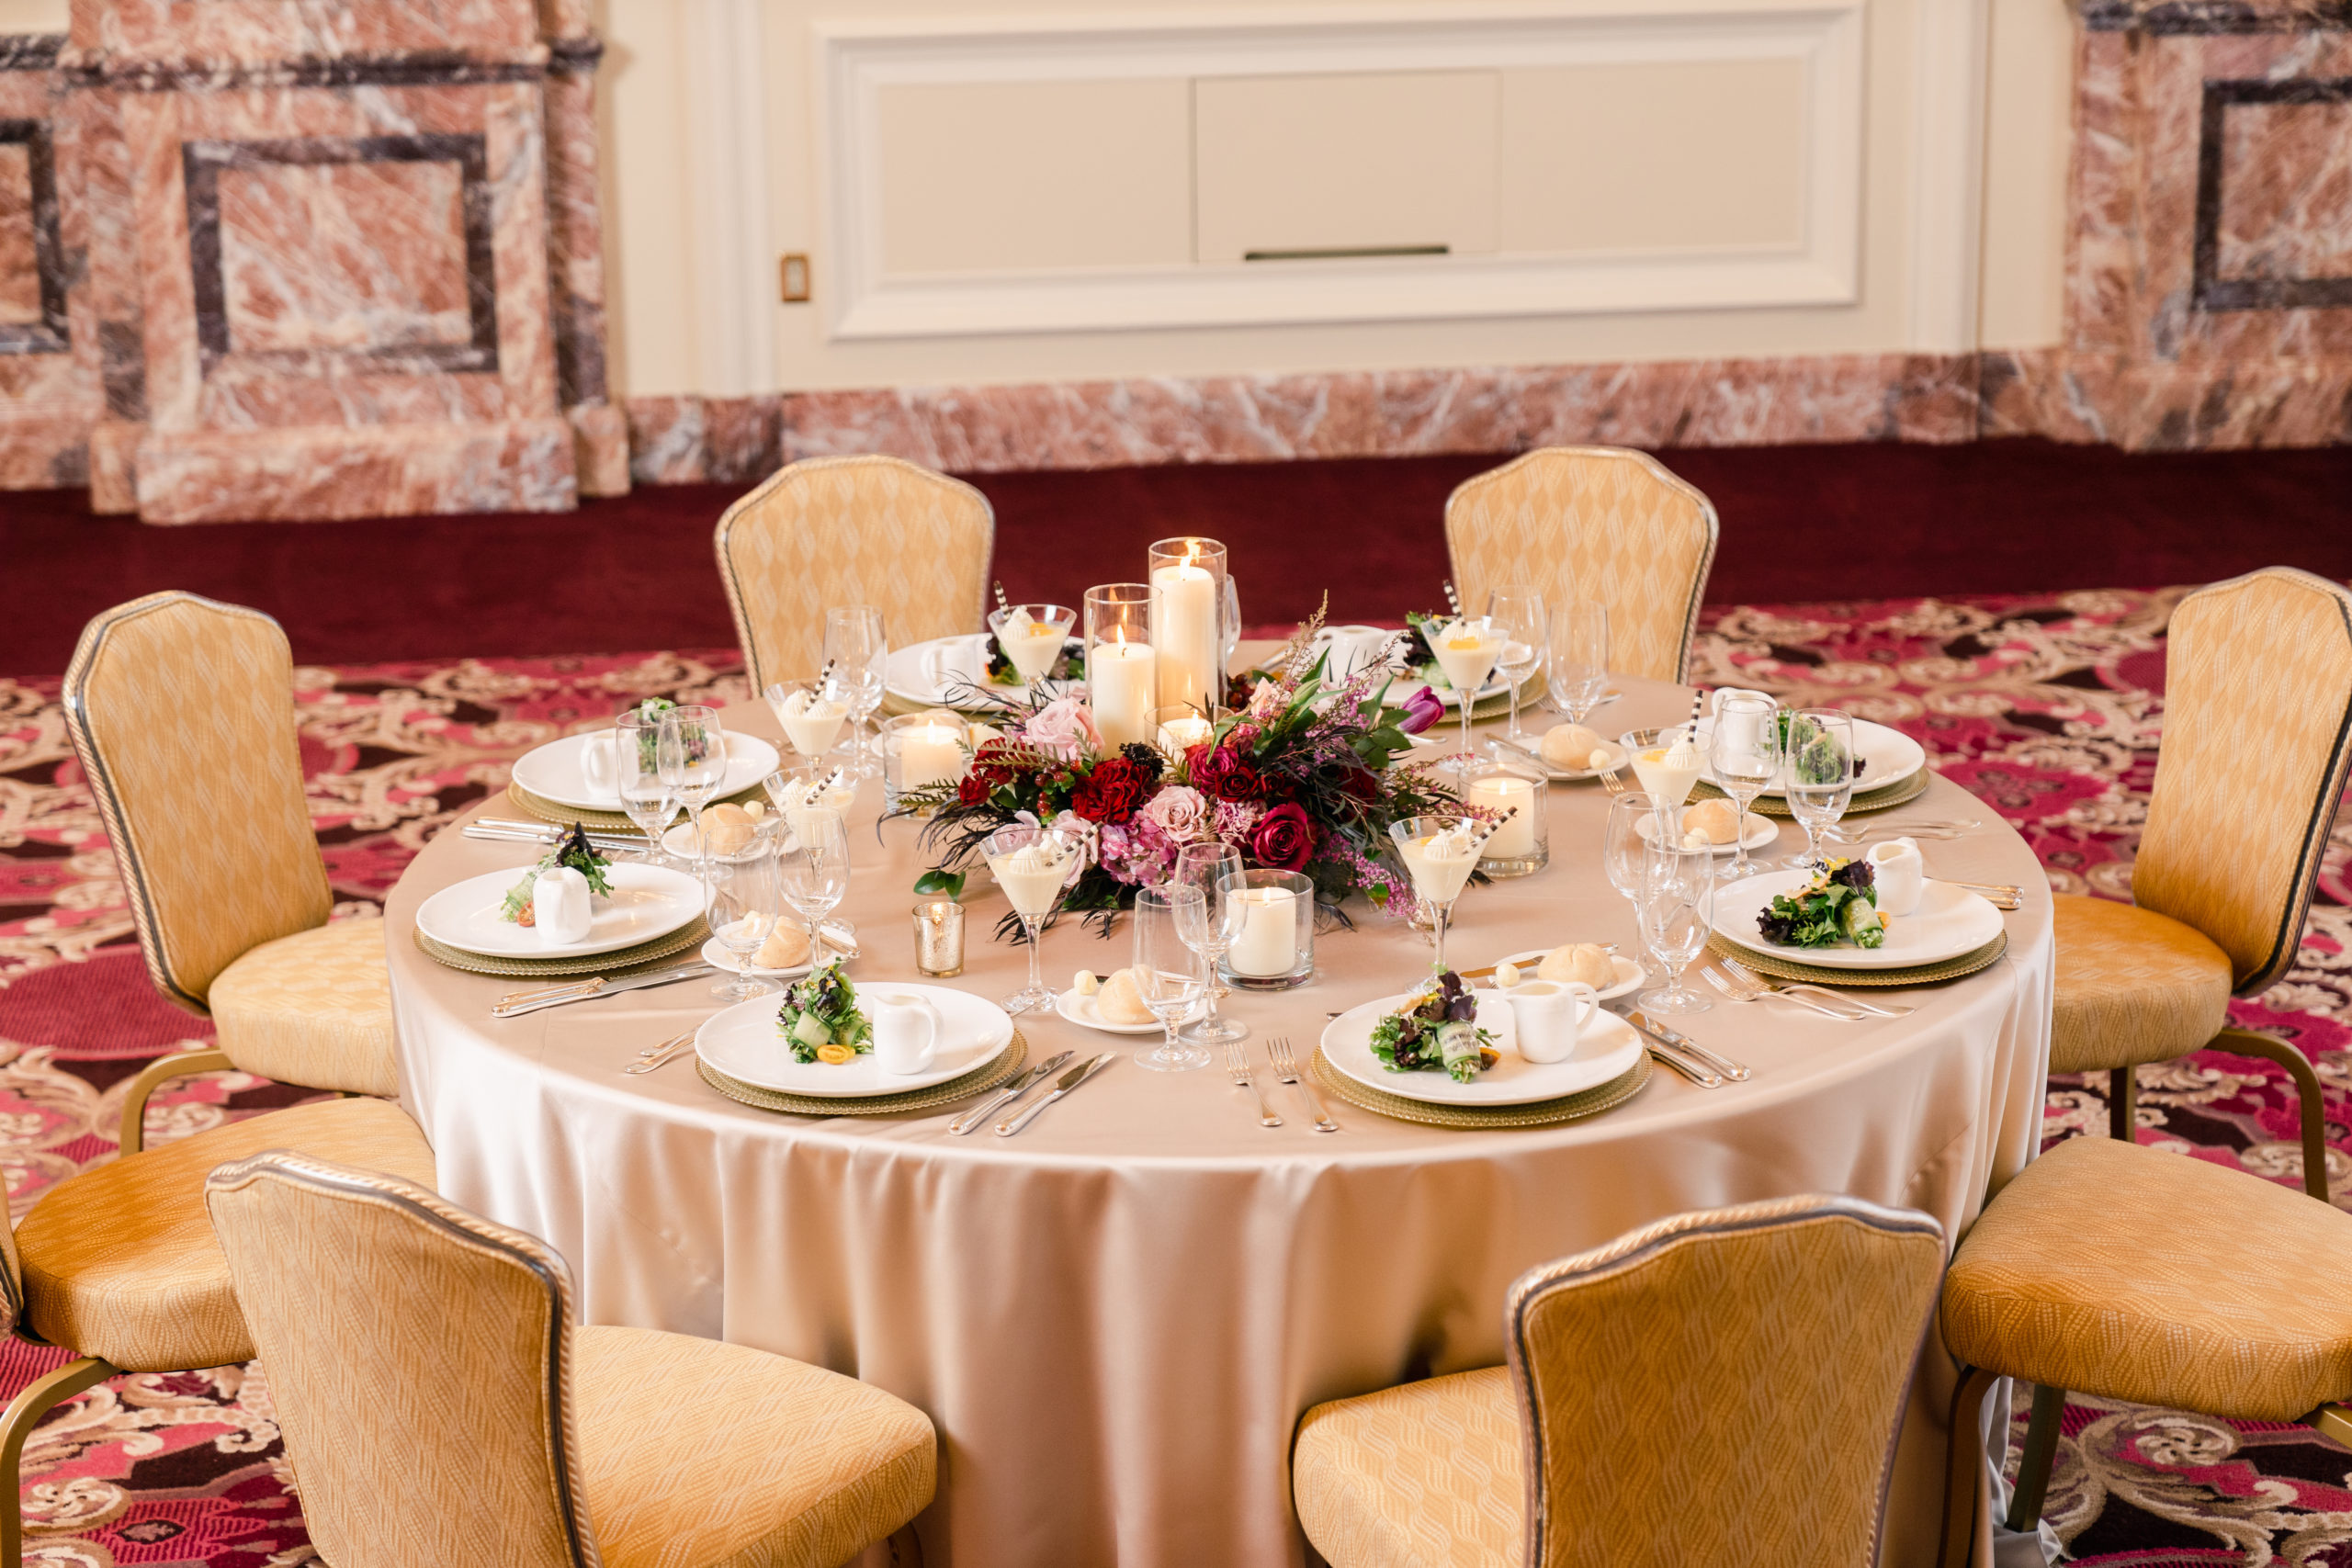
<point x="1209" y="928"/>
<point x="692" y="757"/>
<point x="1578" y="673"/>
<point x="1171" y="974"/>
<point x="1032" y="865"/>
<point x="745" y="898"/>
<point x="1440" y="853"/>
<point x="1745" y="749"/>
<point x="1623" y="847"/>
<point x="1518" y="613"/>
<point x="637" y="770"/>
<point x="1820" y="767"/>
<point x="815" y="874"/>
<point x="1677" y="911"/>
<point x="857" y="651"/>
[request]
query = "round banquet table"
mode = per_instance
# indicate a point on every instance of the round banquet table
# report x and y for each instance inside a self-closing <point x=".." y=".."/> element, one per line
<point x="1116" y="1318"/>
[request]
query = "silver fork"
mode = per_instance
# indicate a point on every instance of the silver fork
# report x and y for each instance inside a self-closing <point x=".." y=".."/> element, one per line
<point x="1740" y="993"/>
<point x="661" y="1056"/>
<point x="1286" y="1069"/>
<point x="1612" y="783"/>
<point x="1747" y="976"/>
<point x="1236" y="1062"/>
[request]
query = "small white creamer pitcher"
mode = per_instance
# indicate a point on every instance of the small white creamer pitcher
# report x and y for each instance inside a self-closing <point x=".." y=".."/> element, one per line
<point x="559" y="908"/>
<point x="1902" y="875"/>
<point x="599" y="762"/>
<point x="906" y="1031"/>
<point x="1551" y="1017"/>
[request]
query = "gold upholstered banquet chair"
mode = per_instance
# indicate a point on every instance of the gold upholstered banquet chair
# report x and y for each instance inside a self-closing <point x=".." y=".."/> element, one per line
<point x="2257" y="736"/>
<point x="440" y="1406"/>
<point x="1719" y="1387"/>
<point x="181" y="711"/>
<point x="1592" y="523"/>
<point x="2134" y="1273"/>
<point x="870" y="530"/>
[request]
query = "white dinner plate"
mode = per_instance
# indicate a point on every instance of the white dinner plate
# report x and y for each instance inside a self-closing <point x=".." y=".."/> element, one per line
<point x="647" y="902"/>
<point x="715" y="954"/>
<point x="1609" y="1047"/>
<point x="1755" y="829"/>
<point x="1630" y="976"/>
<point x="1888" y="756"/>
<point x="1948" y="921"/>
<point x="1081" y="1011"/>
<point x="552" y="772"/>
<point x="951" y="673"/>
<point x="743" y="1042"/>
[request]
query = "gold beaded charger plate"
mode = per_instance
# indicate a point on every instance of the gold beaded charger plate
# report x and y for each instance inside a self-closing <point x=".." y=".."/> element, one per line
<point x="990" y="1074"/>
<point x="600" y="821"/>
<point x="1897" y="794"/>
<point x="694" y="933"/>
<point x="1540" y="1113"/>
<point x="1918" y="974"/>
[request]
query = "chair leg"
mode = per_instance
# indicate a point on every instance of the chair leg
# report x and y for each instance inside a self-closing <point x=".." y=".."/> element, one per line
<point x="2247" y="1043"/>
<point x="23" y="1415"/>
<point x="1964" y="1466"/>
<point x="2123" y="1104"/>
<point x="2041" y="1451"/>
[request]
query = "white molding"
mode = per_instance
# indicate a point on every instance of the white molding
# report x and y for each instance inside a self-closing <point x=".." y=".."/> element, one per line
<point x="855" y="59"/>
<point x="733" y="253"/>
<point x="1948" y="175"/>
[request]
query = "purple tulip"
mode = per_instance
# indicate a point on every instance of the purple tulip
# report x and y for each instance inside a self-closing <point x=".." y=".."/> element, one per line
<point x="1421" y="710"/>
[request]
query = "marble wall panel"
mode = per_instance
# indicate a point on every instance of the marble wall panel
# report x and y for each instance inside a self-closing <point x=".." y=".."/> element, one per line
<point x="47" y="398"/>
<point x="385" y="247"/>
<point x="211" y="34"/>
<point x="21" y="280"/>
<point x="212" y="476"/>
<point x="2285" y="192"/>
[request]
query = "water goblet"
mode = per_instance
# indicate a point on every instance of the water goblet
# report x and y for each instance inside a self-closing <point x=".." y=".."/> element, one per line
<point x="692" y="755"/>
<point x="815" y="874"/>
<point x="1210" y="927"/>
<point x="647" y="800"/>
<point x="1623" y="847"/>
<point x="1518" y="613"/>
<point x="811" y="713"/>
<point x="1819" y="764"/>
<point x="746" y="896"/>
<point x="857" y="654"/>
<point x="1171" y="974"/>
<point x="1745" y="749"/>
<point x="1032" y="865"/>
<point x="1578" y="673"/>
<point x="1440" y="853"/>
<point x="1677" y="909"/>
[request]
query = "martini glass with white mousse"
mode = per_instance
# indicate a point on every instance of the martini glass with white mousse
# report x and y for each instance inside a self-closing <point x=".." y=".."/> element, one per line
<point x="1440" y="853"/>
<point x="1668" y="761"/>
<point x="811" y="713"/>
<point x="1031" y="637"/>
<point x="1032" y="865"/>
<point x="1466" y="649"/>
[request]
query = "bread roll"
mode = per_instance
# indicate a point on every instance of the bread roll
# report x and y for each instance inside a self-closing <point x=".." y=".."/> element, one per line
<point x="785" y="948"/>
<point x="1584" y="960"/>
<point x="1571" y="746"/>
<point x="728" y="828"/>
<point x="1715" y="819"/>
<point x="1119" y="1001"/>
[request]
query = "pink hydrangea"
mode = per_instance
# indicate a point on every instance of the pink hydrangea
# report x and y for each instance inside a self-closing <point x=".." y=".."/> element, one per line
<point x="1179" y="812"/>
<point x="1138" y="853"/>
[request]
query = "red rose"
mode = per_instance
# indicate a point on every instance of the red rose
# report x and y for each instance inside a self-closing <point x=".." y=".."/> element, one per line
<point x="1113" y="790"/>
<point x="1283" y="839"/>
<point x="1223" y="776"/>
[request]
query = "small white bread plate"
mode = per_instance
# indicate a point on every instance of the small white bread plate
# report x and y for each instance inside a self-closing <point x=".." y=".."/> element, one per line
<point x="742" y="1041"/>
<point x="1081" y="1011"/>
<point x="1608" y="1048"/>
<point x="552" y="772"/>
<point x="1888" y="756"/>
<point x="1630" y="976"/>
<point x="1755" y="828"/>
<point x="951" y="673"/>
<point x="1948" y="921"/>
<point x="648" y="901"/>
<point x="715" y="954"/>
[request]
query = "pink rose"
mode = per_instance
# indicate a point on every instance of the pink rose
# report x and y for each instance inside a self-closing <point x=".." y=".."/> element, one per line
<point x="1179" y="812"/>
<point x="1063" y="728"/>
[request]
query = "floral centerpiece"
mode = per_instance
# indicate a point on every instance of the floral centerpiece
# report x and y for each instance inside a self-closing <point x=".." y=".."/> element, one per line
<point x="1304" y="778"/>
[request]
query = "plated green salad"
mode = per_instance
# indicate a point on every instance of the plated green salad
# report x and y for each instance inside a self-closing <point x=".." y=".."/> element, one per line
<point x="1839" y="904"/>
<point x="1436" y="1030"/>
<point x="573" y="850"/>
<point x="649" y="711"/>
<point x="820" y="1021"/>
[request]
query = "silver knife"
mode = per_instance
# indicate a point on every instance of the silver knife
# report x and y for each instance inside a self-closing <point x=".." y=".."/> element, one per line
<point x="518" y="824"/>
<point x="1690" y="1067"/>
<point x="1692" y="1048"/>
<point x="1008" y="1094"/>
<point x="477" y="831"/>
<point x="600" y="987"/>
<point x="1067" y="1082"/>
<point x="596" y="982"/>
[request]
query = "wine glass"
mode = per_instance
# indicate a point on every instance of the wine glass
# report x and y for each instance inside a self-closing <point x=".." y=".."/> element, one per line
<point x="1677" y="908"/>
<point x="1032" y="865"/>
<point x="1517" y="612"/>
<point x="857" y="654"/>
<point x="811" y="713"/>
<point x="1623" y="847"/>
<point x="1577" y="675"/>
<point x="1745" y="751"/>
<point x="745" y="898"/>
<point x="1210" y="927"/>
<point x="636" y="771"/>
<point x="815" y="873"/>
<point x="692" y="755"/>
<point x="1819" y="764"/>
<point x="1440" y="853"/>
<point x="1171" y="974"/>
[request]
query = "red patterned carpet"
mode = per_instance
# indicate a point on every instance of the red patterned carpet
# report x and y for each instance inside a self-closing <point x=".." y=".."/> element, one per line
<point x="2047" y="707"/>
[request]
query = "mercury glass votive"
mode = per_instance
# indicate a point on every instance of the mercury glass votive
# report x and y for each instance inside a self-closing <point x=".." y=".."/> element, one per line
<point x="939" y="938"/>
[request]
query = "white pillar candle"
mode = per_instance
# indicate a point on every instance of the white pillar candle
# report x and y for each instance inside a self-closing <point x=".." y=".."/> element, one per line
<point x="1120" y="680"/>
<point x="929" y="754"/>
<point x="1184" y="633"/>
<point x="1268" y="944"/>
<point x="1515" y="838"/>
<point x="1179" y="736"/>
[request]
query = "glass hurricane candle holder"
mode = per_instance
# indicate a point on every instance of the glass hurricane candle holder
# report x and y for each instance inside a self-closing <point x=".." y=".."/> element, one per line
<point x="1520" y="841"/>
<point x="1274" y="950"/>
<point x="921" y="751"/>
<point x="1187" y="578"/>
<point x="1122" y="667"/>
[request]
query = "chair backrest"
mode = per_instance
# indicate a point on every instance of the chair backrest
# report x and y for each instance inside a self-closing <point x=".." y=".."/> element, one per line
<point x="182" y="713"/>
<point x="419" y="1356"/>
<point x="852" y="531"/>
<point x="2257" y="709"/>
<point x="1592" y="523"/>
<point x="1722" y="1387"/>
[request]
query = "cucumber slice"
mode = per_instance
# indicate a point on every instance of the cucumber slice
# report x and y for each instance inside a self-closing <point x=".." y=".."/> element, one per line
<point x="811" y="1030"/>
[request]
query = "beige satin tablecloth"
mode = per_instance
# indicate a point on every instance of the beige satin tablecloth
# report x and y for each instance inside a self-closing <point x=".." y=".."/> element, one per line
<point x="1116" y="1318"/>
